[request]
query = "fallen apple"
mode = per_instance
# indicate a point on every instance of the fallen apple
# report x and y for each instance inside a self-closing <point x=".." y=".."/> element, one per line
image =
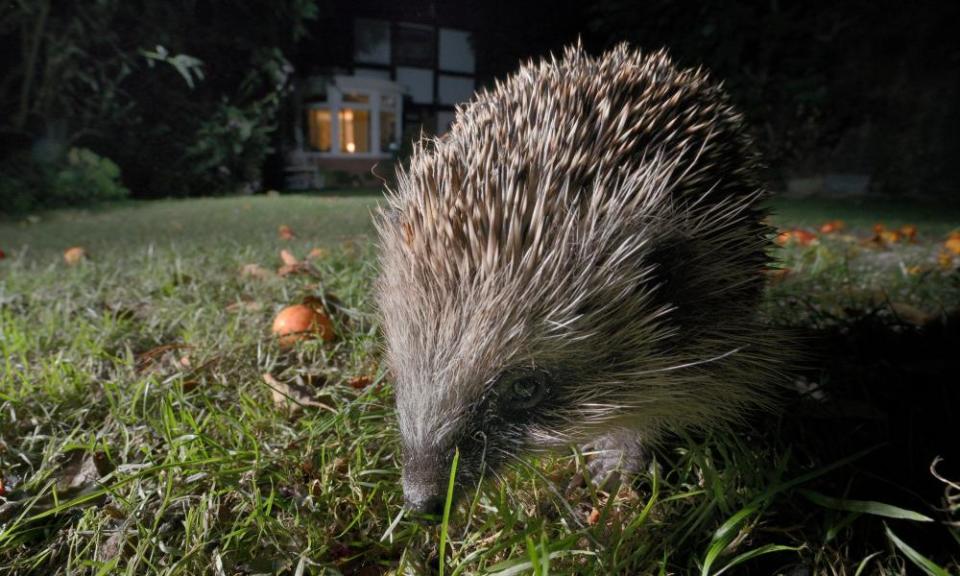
<point x="302" y="322"/>
<point x="74" y="255"/>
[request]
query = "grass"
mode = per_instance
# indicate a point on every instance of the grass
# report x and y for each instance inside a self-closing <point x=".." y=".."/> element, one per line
<point x="139" y="433"/>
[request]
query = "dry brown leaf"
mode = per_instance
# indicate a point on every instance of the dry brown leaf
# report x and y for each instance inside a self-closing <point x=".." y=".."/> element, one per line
<point x="911" y="314"/>
<point x="360" y="382"/>
<point x="832" y="226"/>
<point x="796" y="236"/>
<point x="288" y="258"/>
<point x="292" y="397"/>
<point x="244" y="304"/>
<point x="317" y="254"/>
<point x="80" y="471"/>
<point x="285" y="232"/>
<point x="255" y="271"/>
<point x="953" y="243"/>
<point x="152" y="358"/>
<point x="593" y="517"/>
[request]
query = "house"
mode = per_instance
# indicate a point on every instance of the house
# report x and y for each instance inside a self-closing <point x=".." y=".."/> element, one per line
<point x="370" y="81"/>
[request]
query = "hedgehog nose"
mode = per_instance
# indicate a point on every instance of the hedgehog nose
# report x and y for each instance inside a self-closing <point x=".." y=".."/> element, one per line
<point x="428" y="505"/>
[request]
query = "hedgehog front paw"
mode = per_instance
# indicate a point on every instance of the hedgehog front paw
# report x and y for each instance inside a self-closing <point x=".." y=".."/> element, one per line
<point x="616" y="455"/>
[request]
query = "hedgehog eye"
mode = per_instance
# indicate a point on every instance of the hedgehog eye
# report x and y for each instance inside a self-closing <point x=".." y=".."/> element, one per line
<point x="524" y="392"/>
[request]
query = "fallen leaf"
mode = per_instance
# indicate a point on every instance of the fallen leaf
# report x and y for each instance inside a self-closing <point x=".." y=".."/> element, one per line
<point x="360" y="382"/>
<point x="298" y="268"/>
<point x="796" y="235"/>
<point x="2" y="254"/>
<point x="3" y="491"/>
<point x="911" y="314"/>
<point x="883" y="237"/>
<point x="255" y="271"/>
<point x="245" y="304"/>
<point x="593" y="517"/>
<point x="832" y="226"/>
<point x="115" y="546"/>
<point x="292" y="397"/>
<point x="909" y="231"/>
<point x="317" y="254"/>
<point x="152" y="358"/>
<point x="290" y="270"/>
<point x="288" y="258"/>
<point x="945" y="259"/>
<point x="916" y="270"/>
<point x="285" y="232"/>
<point x="80" y="471"/>
<point x="953" y="243"/>
<point x="776" y="275"/>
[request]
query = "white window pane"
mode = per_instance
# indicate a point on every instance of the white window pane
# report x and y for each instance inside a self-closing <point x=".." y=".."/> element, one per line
<point x="456" y="51"/>
<point x="454" y="89"/>
<point x="418" y="83"/>
<point x="444" y="119"/>
<point x="371" y="41"/>
<point x="372" y="73"/>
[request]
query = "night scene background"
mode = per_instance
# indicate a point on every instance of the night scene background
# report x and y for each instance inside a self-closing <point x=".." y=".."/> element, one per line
<point x="176" y="175"/>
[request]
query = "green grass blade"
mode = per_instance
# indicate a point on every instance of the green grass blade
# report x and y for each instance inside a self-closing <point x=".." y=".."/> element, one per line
<point x="863" y="563"/>
<point x="724" y="535"/>
<point x="756" y="552"/>
<point x="864" y="507"/>
<point x="919" y="560"/>
<point x="446" y="509"/>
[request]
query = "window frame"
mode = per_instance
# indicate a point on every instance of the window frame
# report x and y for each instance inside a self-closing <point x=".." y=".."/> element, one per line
<point x="336" y="89"/>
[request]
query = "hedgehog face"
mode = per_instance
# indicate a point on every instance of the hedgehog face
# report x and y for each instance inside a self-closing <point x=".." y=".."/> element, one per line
<point x="485" y="421"/>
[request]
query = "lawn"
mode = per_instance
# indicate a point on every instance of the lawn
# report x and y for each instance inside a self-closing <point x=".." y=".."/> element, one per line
<point x="149" y="422"/>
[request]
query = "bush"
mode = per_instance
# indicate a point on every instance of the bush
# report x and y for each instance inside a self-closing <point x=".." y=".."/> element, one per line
<point x="82" y="177"/>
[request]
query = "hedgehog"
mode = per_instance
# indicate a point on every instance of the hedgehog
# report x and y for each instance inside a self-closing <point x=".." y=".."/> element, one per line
<point x="577" y="261"/>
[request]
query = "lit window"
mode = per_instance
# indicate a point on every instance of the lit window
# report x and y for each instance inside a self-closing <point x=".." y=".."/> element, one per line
<point x="356" y="98"/>
<point x="320" y="129"/>
<point x="354" y="130"/>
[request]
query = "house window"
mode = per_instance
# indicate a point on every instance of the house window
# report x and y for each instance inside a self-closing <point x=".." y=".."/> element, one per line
<point x="414" y="45"/>
<point x="354" y="131"/>
<point x="418" y="82"/>
<point x="319" y="128"/>
<point x="389" y="139"/>
<point x="354" y="116"/>
<point x="456" y="51"/>
<point x="371" y="41"/>
<point x="454" y="89"/>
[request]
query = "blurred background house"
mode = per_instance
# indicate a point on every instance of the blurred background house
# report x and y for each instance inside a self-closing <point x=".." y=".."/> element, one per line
<point x="185" y="98"/>
<point x="383" y="74"/>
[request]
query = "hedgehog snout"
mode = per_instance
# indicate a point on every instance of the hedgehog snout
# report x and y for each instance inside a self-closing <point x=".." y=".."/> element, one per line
<point x="424" y="486"/>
